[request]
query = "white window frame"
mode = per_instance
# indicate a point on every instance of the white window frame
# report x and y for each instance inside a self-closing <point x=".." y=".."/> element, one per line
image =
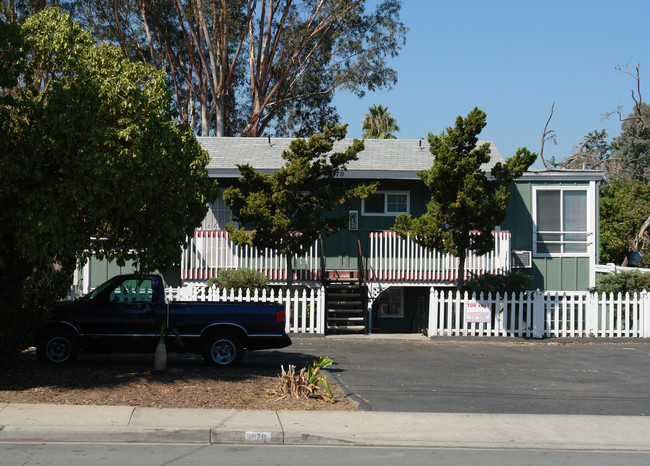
<point x="386" y="213"/>
<point x="590" y="226"/>
<point x="400" y="292"/>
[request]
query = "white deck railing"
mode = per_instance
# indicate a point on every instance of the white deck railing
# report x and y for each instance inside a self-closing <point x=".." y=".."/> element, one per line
<point x="392" y="258"/>
<point x="543" y="314"/>
<point x="613" y="268"/>
<point x="211" y="250"/>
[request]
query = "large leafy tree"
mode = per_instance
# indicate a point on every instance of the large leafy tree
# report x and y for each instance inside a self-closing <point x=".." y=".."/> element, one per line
<point x="631" y="148"/>
<point x="466" y="202"/>
<point x="12" y="10"/>
<point x="93" y="162"/>
<point x="310" y="112"/>
<point x="199" y="44"/>
<point x="257" y="57"/>
<point x="378" y="124"/>
<point x="286" y="211"/>
<point x="631" y="151"/>
<point x="624" y="209"/>
<point x="626" y="197"/>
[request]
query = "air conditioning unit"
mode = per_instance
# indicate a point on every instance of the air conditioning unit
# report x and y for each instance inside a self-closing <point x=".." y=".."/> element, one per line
<point x="521" y="259"/>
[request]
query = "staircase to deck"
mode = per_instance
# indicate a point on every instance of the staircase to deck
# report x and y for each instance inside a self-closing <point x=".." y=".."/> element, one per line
<point x="346" y="306"/>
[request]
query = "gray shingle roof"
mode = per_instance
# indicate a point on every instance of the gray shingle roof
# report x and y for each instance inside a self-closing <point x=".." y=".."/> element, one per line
<point x="382" y="158"/>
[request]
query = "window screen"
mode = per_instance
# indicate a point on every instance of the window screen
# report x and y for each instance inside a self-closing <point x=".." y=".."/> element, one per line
<point x="561" y="222"/>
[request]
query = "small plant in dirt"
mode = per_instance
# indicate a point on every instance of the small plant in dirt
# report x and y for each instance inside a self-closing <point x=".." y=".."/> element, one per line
<point x="239" y="279"/>
<point x="307" y="383"/>
<point x="625" y="282"/>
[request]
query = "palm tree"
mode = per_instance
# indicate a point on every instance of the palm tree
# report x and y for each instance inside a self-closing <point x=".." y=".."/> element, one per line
<point x="378" y="124"/>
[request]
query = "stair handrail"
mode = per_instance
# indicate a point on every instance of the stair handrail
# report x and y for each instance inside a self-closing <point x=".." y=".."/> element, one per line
<point x="360" y="264"/>
<point x="363" y="288"/>
<point x="323" y="281"/>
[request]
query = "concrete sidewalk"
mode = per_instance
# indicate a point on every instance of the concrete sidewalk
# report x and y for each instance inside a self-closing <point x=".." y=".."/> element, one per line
<point x="123" y="424"/>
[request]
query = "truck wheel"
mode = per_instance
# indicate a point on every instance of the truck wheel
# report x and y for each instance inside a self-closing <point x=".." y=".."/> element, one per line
<point x="57" y="347"/>
<point x="223" y="350"/>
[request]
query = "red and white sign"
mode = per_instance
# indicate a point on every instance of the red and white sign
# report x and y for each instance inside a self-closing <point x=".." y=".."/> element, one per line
<point x="477" y="312"/>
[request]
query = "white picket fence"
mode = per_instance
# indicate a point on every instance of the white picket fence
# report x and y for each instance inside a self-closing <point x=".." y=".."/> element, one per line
<point x="543" y="314"/>
<point x="525" y="315"/>
<point x="304" y="307"/>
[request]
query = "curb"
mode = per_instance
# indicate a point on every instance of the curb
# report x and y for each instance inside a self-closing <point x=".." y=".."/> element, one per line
<point x="99" y="424"/>
<point x="207" y="436"/>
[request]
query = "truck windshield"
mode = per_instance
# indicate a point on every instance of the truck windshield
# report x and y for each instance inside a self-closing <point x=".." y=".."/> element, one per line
<point x="129" y="290"/>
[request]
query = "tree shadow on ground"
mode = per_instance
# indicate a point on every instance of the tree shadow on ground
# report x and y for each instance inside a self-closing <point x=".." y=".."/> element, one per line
<point x="23" y="371"/>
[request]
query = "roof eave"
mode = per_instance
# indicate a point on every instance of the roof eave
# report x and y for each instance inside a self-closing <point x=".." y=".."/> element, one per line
<point x="562" y="174"/>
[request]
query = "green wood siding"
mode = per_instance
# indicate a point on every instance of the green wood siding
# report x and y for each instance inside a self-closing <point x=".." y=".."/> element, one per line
<point x="561" y="273"/>
<point x="549" y="273"/>
<point x="341" y="249"/>
<point x="102" y="270"/>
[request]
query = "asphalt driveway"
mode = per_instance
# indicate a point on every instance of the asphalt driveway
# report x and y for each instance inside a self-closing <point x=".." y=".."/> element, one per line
<point x="558" y="376"/>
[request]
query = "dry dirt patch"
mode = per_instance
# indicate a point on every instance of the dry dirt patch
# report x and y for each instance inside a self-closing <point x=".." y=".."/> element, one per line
<point x="130" y="381"/>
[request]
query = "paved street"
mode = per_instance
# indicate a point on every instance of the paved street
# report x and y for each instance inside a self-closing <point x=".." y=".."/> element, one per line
<point x="153" y="455"/>
<point x="605" y="377"/>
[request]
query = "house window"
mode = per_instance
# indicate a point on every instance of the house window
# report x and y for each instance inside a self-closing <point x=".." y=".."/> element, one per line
<point x="560" y="222"/>
<point x="386" y="203"/>
<point x="391" y="303"/>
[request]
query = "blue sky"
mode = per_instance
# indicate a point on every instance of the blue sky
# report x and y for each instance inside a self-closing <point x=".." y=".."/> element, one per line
<point x="513" y="59"/>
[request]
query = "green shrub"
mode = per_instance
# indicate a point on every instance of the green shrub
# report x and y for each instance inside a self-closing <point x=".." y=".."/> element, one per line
<point x="624" y="282"/>
<point x="512" y="282"/>
<point x="239" y="278"/>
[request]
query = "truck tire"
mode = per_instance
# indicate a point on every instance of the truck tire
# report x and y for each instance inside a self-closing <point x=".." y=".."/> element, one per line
<point x="223" y="349"/>
<point x="57" y="347"/>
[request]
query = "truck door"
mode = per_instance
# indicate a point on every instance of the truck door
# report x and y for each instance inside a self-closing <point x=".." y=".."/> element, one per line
<point x="123" y="316"/>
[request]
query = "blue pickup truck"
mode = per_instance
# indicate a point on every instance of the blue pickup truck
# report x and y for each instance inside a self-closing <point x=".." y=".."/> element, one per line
<point x="125" y="315"/>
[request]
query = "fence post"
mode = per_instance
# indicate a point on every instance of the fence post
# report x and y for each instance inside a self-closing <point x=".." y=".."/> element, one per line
<point x="591" y="315"/>
<point x="321" y="309"/>
<point x="433" y="312"/>
<point x="645" y="313"/>
<point x="538" y="314"/>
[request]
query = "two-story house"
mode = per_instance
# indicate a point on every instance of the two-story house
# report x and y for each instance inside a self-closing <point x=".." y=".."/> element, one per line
<point x="550" y="230"/>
